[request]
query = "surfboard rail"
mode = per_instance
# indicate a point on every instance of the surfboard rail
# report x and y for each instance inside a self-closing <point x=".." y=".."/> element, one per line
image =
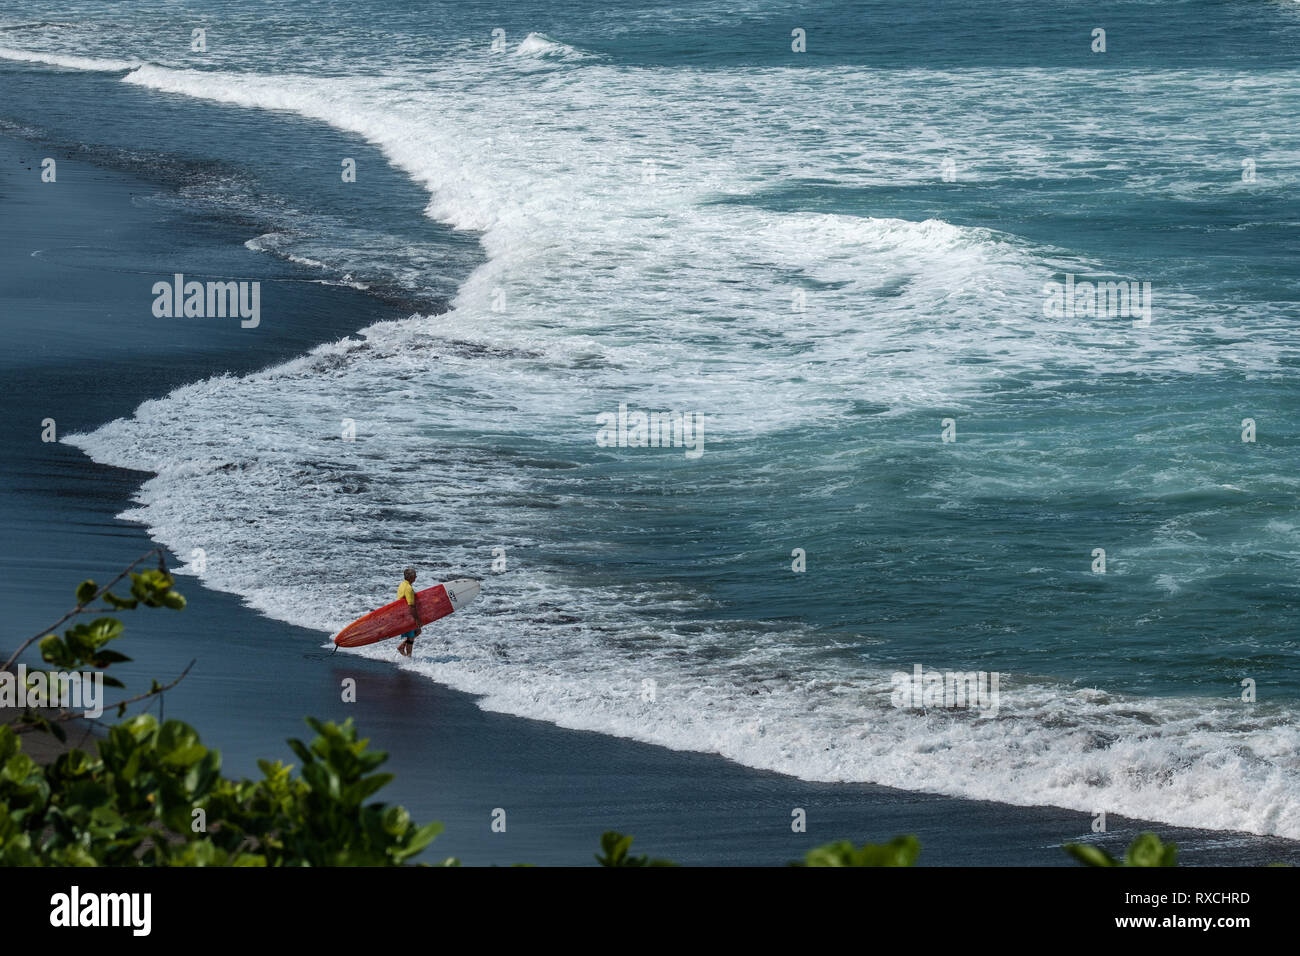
<point x="395" y="618"/>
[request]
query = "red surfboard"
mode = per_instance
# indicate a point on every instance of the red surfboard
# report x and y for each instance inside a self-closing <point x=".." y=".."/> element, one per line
<point x="394" y="619"/>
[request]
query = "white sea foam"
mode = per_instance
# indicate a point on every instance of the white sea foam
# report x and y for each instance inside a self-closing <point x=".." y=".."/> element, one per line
<point x="540" y="46"/>
<point x="69" y="61"/>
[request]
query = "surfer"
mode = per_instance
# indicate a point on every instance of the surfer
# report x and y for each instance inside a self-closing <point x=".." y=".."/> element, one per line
<point x="407" y="590"/>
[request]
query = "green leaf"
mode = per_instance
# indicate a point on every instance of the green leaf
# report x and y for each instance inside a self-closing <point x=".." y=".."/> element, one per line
<point x="185" y="756"/>
<point x="423" y="837"/>
<point x="86" y="592"/>
<point x="1090" y="855"/>
<point x="1147" y="850"/>
<point x="105" y="629"/>
<point x="396" y="820"/>
<point x="132" y="768"/>
<point x="616" y="846"/>
<point x="300" y="749"/>
<point x="104" y="658"/>
<point x="900" y="851"/>
<point x="55" y="651"/>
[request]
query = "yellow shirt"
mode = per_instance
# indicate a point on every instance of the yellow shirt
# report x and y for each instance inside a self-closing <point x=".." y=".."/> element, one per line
<point x="404" y="590"/>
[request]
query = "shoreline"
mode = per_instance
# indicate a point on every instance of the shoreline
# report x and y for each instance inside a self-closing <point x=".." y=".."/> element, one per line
<point x="453" y="761"/>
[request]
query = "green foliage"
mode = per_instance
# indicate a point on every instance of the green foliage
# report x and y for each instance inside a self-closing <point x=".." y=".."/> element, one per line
<point x="1145" y="850"/>
<point x="615" y="847"/>
<point x="151" y="588"/>
<point x="136" y="802"/>
<point x="900" y="851"/>
<point x="154" y="795"/>
<point x="82" y="646"/>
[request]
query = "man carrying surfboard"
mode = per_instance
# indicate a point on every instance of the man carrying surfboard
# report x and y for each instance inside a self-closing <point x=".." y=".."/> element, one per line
<point x="407" y="590"/>
<point x="410" y="608"/>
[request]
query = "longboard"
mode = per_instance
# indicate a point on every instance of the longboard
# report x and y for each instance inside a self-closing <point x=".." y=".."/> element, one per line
<point x="393" y="619"/>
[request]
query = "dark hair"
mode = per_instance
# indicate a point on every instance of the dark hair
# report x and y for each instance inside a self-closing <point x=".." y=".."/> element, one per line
<point x="409" y="573"/>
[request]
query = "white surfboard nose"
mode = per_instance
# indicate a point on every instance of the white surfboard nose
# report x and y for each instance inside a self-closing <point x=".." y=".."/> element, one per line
<point x="461" y="592"/>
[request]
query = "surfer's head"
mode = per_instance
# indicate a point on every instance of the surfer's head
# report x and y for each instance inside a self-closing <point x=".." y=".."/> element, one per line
<point x="409" y="574"/>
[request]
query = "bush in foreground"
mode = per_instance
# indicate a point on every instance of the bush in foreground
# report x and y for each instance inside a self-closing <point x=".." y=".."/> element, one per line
<point x="154" y="796"/>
